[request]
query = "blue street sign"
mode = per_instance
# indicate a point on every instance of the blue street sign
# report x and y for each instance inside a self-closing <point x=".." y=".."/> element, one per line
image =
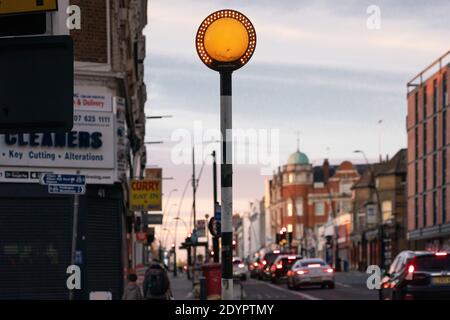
<point x="78" y="257"/>
<point x="56" y="189"/>
<point x="218" y="213"/>
<point x="63" y="179"/>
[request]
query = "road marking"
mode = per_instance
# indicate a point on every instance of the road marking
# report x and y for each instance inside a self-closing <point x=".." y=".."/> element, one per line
<point x="303" y="295"/>
<point x="343" y="285"/>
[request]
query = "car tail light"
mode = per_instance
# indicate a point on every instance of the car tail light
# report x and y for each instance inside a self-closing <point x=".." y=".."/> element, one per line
<point x="292" y="257"/>
<point x="276" y="251"/>
<point x="255" y="264"/>
<point x="441" y="254"/>
<point x="410" y="274"/>
<point x="241" y="265"/>
<point x="329" y="270"/>
<point x="273" y="268"/>
<point x="264" y="262"/>
<point x="279" y="266"/>
<point x="289" y="273"/>
<point x="302" y="272"/>
<point x="313" y="265"/>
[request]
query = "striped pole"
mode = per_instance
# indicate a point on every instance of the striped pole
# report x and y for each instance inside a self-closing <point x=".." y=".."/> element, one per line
<point x="226" y="184"/>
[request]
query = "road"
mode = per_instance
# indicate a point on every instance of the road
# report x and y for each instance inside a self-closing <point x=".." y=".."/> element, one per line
<point x="349" y="286"/>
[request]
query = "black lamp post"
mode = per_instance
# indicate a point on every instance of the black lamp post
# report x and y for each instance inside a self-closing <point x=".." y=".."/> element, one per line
<point x="225" y="42"/>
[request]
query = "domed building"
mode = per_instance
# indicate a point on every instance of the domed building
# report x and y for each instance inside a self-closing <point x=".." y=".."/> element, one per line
<point x="301" y="199"/>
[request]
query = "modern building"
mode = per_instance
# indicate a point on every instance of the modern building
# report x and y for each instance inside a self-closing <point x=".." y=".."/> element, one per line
<point x="428" y="156"/>
<point x="379" y="216"/>
<point x="106" y="145"/>
<point x="252" y="233"/>
<point x="304" y="200"/>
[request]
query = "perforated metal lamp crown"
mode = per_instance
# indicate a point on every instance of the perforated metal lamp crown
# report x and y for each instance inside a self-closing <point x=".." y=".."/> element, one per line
<point x="226" y="40"/>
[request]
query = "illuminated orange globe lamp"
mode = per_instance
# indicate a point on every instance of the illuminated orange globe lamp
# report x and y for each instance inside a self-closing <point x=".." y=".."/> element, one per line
<point x="225" y="42"/>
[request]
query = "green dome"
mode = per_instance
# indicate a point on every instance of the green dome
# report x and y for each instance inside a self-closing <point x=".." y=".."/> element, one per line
<point x="298" y="158"/>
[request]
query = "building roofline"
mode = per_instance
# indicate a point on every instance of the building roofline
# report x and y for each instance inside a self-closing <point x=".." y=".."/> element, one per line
<point x="442" y="61"/>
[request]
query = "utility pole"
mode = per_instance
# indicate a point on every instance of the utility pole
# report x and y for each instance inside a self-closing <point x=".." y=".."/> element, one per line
<point x="215" y="239"/>
<point x="194" y="191"/>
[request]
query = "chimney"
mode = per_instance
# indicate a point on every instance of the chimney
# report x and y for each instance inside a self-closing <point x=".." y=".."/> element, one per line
<point x="326" y="170"/>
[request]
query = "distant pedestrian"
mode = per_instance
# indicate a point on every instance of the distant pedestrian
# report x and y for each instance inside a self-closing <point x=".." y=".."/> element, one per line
<point x="132" y="290"/>
<point x="156" y="282"/>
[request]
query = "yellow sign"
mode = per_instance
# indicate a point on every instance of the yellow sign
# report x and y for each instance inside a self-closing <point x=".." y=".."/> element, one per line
<point x="27" y="6"/>
<point x="145" y="195"/>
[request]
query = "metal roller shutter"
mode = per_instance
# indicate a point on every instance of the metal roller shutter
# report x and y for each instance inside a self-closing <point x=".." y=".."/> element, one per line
<point x="103" y="249"/>
<point x="35" y="241"/>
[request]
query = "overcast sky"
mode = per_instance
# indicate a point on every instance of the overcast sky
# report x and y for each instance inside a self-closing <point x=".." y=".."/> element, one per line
<point x="317" y="69"/>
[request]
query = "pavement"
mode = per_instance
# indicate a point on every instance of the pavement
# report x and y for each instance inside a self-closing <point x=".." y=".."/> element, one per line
<point x="182" y="288"/>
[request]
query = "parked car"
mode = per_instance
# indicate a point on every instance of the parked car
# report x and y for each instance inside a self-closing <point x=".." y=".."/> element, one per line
<point x="310" y="272"/>
<point x="417" y="275"/>
<point x="239" y="269"/>
<point x="281" y="266"/>
<point x="267" y="262"/>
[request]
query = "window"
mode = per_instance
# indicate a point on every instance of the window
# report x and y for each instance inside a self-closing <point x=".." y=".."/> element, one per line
<point x="425" y="174"/>
<point x="320" y="208"/>
<point x="444" y="166"/>
<point x="416" y="217"/>
<point x="416" y="134"/>
<point x="435" y="96"/>
<point x="425" y="137"/>
<point x="346" y="187"/>
<point x="444" y="128"/>
<point x="290" y="209"/>
<point x="435" y="170"/>
<point x="291" y="177"/>
<point x="424" y="97"/>
<point x="435" y="208"/>
<point x="424" y="213"/>
<point x="386" y="207"/>
<point x="299" y="206"/>
<point x="416" y="107"/>
<point x="444" y="91"/>
<point x="290" y="228"/>
<point x="435" y="133"/>
<point x="416" y="169"/>
<point x="444" y="205"/>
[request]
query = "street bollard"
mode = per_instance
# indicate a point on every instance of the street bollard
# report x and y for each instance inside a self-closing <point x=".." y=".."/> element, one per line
<point x="203" y="289"/>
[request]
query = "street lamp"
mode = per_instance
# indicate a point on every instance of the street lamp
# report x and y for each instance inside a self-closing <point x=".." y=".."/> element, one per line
<point x="225" y="42"/>
<point x="184" y="223"/>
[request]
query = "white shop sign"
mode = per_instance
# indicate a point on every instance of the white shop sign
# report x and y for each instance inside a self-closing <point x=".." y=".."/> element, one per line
<point x="88" y="148"/>
<point x="92" y="98"/>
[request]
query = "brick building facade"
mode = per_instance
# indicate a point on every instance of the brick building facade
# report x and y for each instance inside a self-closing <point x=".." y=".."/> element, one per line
<point x="304" y="199"/>
<point x="428" y="157"/>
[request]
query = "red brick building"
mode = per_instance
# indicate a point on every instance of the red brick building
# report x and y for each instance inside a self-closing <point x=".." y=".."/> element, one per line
<point x="428" y="156"/>
<point x="303" y="199"/>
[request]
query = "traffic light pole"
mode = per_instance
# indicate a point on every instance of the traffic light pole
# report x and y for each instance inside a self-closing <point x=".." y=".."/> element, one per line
<point x="226" y="183"/>
<point x="215" y="240"/>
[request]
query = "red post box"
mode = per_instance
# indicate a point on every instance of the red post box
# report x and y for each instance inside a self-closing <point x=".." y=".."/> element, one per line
<point x="213" y="274"/>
